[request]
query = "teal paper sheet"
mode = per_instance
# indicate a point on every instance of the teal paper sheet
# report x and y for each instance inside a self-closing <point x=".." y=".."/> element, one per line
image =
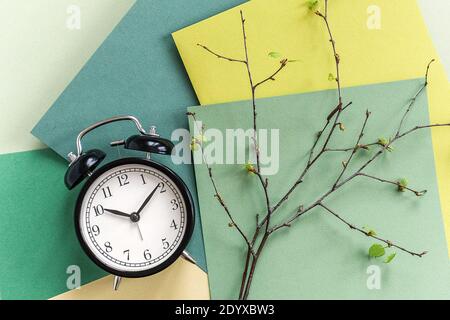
<point x="136" y="71"/>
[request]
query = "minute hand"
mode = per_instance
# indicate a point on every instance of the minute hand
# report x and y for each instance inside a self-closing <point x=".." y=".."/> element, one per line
<point x="147" y="199"/>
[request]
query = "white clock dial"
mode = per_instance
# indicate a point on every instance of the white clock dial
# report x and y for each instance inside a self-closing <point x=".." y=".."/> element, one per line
<point x="133" y="217"/>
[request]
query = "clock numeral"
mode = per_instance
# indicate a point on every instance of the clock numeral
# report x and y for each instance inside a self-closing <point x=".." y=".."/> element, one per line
<point x="123" y="180"/>
<point x="147" y="255"/>
<point x="165" y="244"/>
<point x="143" y="179"/>
<point x="96" y="230"/>
<point x="99" y="210"/>
<point x="174" y="225"/>
<point x="127" y="253"/>
<point x="107" y="192"/>
<point x="108" y="247"/>
<point x="174" y="203"/>
<point x="162" y="186"/>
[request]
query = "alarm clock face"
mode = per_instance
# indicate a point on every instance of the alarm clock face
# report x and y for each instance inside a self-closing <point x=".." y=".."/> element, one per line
<point x="134" y="217"/>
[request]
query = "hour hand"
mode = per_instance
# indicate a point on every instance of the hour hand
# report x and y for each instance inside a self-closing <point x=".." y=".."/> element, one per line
<point x="119" y="213"/>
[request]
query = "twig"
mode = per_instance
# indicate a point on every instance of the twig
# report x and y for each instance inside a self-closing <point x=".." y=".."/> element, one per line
<point x="267" y="199"/>
<point x="417" y="193"/>
<point x="283" y="63"/>
<point x="250" y="78"/>
<point x="333" y="45"/>
<point x="386" y="147"/>
<point x="371" y="235"/>
<point x="360" y="146"/>
<point x="216" y="191"/>
<point x="253" y="86"/>
<point x="366" y="146"/>
<point x="422" y="127"/>
<point x="347" y="163"/>
<point x="413" y="100"/>
<point x="347" y="105"/>
<point x="219" y="55"/>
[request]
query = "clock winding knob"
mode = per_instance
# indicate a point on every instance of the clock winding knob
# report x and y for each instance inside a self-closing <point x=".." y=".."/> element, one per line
<point x="72" y="157"/>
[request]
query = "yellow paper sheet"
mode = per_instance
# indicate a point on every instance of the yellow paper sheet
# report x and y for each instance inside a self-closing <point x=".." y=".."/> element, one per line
<point x="182" y="280"/>
<point x="398" y="50"/>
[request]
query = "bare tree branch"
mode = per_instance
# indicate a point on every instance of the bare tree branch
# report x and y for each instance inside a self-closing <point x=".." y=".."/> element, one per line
<point x="257" y="243"/>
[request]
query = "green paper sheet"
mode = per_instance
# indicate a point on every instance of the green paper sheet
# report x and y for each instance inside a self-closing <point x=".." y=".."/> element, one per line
<point x="319" y="257"/>
<point x="136" y="71"/>
<point x="37" y="236"/>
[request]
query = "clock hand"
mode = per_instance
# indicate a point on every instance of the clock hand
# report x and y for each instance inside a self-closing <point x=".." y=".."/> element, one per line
<point x="119" y="213"/>
<point x="140" y="232"/>
<point x="147" y="199"/>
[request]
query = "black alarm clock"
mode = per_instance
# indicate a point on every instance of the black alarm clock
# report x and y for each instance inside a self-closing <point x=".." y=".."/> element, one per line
<point x="134" y="216"/>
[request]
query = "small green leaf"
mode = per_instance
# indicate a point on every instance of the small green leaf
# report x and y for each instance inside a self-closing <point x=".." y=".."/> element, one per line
<point x="201" y="138"/>
<point x="390" y="258"/>
<point x="194" y="144"/>
<point x="383" y="142"/>
<point x="331" y="77"/>
<point x="250" y="168"/>
<point x="312" y="4"/>
<point x="370" y="232"/>
<point x="376" y="250"/>
<point x="402" y="184"/>
<point x="274" y="55"/>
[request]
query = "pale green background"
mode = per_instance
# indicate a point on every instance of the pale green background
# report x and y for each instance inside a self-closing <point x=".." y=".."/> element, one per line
<point x="319" y="257"/>
<point x="39" y="56"/>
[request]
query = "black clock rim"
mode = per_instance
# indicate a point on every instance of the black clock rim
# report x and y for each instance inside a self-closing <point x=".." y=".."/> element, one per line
<point x="190" y="216"/>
